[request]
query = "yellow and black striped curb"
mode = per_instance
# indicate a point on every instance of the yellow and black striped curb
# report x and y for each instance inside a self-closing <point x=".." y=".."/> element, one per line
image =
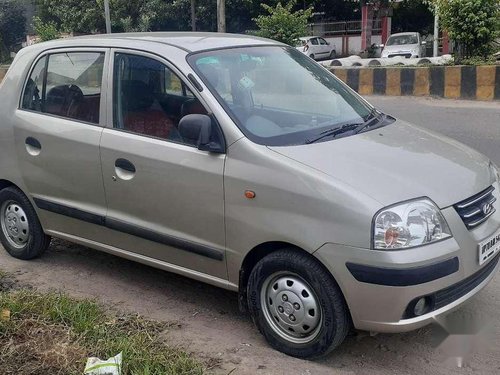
<point x="454" y="82"/>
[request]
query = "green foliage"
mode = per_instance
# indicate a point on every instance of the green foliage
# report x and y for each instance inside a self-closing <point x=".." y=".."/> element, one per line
<point x="82" y="328"/>
<point x="282" y="23"/>
<point x="473" y="24"/>
<point x="478" y="61"/>
<point x="45" y="30"/>
<point x="12" y="26"/>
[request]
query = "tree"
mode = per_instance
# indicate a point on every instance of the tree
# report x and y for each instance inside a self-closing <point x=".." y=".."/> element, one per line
<point x="282" y="23"/>
<point x="12" y="26"/>
<point x="472" y="24"/>
<point x="412" y="15"/>
<point x="45" y="30"/>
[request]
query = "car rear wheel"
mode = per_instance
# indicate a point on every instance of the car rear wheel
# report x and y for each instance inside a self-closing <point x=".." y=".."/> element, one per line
<point x="333" y="54"/>
<point x="297" y="305"/>
<point x="20" y="231"/>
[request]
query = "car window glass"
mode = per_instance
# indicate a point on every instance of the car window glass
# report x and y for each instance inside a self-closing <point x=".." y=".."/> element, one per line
<point x="277" y="95"/>
<point x="322" y="41"/>
<point x="32" y="96"/>
<point x="150" y="99"/>
<point x="398" y="40"/>
<point x="73" y="87"/>
<point x="314" y="41"/>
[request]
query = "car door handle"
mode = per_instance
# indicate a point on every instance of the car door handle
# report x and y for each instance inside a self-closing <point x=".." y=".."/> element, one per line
<point x="125" y="165"/>
<point x="33" y="146"/>
<point x="33" y="142"/>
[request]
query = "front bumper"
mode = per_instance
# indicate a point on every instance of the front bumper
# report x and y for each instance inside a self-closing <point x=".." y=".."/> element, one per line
<point x="447" y="271"/>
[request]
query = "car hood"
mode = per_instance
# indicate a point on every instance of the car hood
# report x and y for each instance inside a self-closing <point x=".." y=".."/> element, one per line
<point x="399" y="162"/>
<point x="400" y="48"/>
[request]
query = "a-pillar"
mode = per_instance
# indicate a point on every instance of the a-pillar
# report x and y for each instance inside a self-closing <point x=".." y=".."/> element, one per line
<point x="366" y="25"/>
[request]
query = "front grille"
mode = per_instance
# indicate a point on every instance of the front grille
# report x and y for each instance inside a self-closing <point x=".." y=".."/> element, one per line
<point x="477" y="209"/>
<point x="406" y="55"/>
<point x="450" y="294"/>
<point x="454" y="292"/>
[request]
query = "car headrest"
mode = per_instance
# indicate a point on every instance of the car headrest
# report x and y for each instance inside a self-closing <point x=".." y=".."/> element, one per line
<point x="137" y="95"/>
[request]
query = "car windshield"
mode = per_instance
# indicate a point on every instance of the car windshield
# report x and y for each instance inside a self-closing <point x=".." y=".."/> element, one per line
<point x="277" y="95"/>
<point x="399" y="40"/>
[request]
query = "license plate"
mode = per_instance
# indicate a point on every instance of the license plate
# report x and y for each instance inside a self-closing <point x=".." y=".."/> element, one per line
<point x="489" y="247"/>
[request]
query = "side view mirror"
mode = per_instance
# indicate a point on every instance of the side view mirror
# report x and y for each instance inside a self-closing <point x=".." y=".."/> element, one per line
<point x="196" y="129"/>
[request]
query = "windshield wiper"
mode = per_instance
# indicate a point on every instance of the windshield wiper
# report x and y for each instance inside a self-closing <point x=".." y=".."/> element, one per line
<point x="373" y="118"/>
<point x="333" y="132"/>
<point x="354" y="127"/>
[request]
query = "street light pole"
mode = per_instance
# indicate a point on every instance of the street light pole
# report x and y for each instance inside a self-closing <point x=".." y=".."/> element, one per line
<point x="435" y="43"/>
<point x="221" y="16"/>
<point x="107" y="16"/>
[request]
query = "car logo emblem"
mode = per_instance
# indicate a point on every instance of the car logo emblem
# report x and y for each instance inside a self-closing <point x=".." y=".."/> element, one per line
<point x="487" y="208"/>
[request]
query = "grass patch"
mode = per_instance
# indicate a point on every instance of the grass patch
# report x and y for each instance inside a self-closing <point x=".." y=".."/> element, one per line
<point x="54" y="334"/>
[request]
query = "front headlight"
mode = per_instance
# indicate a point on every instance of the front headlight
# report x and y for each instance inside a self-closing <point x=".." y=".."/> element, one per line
<point x="409" y="224"/>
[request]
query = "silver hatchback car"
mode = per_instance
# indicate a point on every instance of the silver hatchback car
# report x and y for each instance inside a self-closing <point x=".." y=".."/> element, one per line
<point x="240" y="162"/>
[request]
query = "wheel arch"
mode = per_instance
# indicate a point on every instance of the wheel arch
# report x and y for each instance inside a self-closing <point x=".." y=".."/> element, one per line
<point x="6" y="183"/>
<point x="254" y="256"/>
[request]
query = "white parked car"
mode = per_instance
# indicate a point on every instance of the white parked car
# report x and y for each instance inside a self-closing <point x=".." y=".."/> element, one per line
<point x="405" y="45"/>
<point x="316" y="47"/>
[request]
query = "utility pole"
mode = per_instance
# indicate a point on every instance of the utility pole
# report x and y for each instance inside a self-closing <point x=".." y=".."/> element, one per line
<point x="221" y="16"/>
<point x="107" y="16"/>
<point x="193" y="15"/>
<point x="435" y="42"/>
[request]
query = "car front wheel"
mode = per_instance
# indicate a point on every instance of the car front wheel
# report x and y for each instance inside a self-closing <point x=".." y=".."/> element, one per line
<point x="297" y="305"/>
<point x="20" y="231"/>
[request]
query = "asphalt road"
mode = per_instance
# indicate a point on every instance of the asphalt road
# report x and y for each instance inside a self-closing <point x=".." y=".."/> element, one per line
<point x="475" y="123"/>
<point x="207" y="321"/>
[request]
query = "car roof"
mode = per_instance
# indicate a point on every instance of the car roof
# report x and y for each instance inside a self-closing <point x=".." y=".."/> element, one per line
<point x="308" y="37"/>
<point x="407" y="33"/>
<point x="187" y="41"/>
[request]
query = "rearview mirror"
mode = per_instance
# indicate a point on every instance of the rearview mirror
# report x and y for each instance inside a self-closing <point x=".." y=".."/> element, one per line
<point x="196" y="129"/>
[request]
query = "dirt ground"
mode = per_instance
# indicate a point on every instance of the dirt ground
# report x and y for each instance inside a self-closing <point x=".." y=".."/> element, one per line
<point x="210" y="325"/>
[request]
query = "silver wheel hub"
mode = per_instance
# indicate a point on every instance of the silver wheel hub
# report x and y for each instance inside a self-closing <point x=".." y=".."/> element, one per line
<point x="14" y="223"/>
<point x="291" y="308"/>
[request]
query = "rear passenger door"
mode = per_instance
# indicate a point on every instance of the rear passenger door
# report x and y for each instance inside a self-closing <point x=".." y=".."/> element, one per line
<point x="165" y="197"/>
<point x="57" y="128"/>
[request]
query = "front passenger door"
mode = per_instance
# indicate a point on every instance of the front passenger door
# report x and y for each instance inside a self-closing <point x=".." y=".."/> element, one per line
<point x="165" y="197"/>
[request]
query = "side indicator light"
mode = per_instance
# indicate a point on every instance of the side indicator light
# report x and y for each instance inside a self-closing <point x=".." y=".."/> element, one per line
<point x="249" y="194"/>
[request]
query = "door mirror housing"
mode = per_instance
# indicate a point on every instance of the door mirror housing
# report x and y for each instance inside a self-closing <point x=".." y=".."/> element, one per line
<point x="196" y="129"/>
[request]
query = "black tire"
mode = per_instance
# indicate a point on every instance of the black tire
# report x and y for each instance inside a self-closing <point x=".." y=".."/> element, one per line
<point x="37" y="241"/>
<point x="333" y="54"/>
<point x="336" y="321"/>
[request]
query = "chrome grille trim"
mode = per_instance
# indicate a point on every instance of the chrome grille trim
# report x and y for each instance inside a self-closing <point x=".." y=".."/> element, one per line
<point x="468" y="203"/>
<point x="474" y="210"/>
